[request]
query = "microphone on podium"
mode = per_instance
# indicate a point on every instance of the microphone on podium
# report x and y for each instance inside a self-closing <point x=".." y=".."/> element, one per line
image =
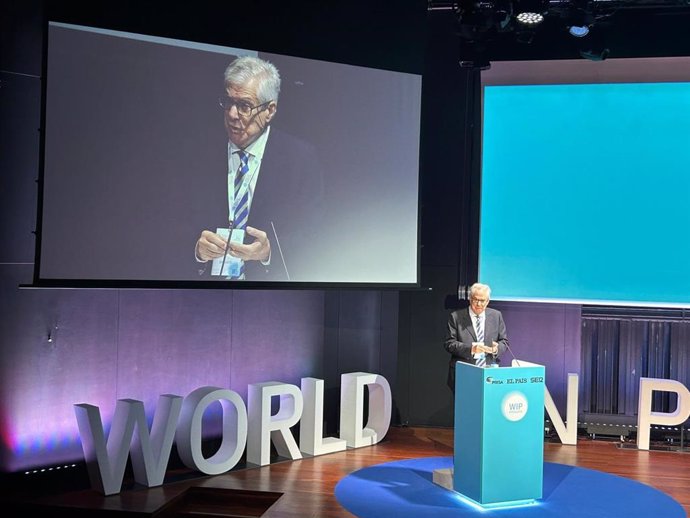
<point x="280" y="251"/>
<point x="511" y="353"/>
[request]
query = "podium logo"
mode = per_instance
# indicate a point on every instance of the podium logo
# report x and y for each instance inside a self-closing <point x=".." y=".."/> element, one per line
<point x="514" y="406"/>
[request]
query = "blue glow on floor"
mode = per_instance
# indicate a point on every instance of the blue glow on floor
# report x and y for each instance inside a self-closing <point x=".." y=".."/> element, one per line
<point x="405" y="489"/>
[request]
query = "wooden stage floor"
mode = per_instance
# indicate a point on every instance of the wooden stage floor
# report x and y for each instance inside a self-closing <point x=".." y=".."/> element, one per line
<point x="305" y="488"/>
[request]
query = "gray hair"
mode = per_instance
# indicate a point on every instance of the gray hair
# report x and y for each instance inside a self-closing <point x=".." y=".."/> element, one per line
<point x="479" y="287"/>
<point x="246" y="68"/>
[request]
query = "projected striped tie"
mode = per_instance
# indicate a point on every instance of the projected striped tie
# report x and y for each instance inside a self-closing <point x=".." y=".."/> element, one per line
<point x="481" y="361"/>
<point x="241" y="212"/>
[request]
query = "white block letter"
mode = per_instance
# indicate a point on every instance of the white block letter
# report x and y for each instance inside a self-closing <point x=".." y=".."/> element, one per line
<point x="352" y="408"/>
<point x="106" y="461"/>
<point x="234" y="430"/>
<point x="263" y="427"/>
<point x="645" y="416"/>
<point x="567" y="435"/>
<point x="150" y="453"/>
<point x="311" y="439"/>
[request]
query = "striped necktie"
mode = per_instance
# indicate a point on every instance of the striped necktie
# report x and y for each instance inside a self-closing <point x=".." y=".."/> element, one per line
<point x="481" y="361"/>
<point x="241" y="213"/>
<point x="241" y="199"/>
<point x="480" y="329"/>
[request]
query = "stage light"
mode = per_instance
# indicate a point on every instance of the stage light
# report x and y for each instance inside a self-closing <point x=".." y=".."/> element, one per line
<point x="580" y="18"/>
<point x="579" y="31"/>
<point x="476" y="18"/>
<point x="531" y="12"/>
<point x="530" y="18"/>
<point x="51" y="468"/>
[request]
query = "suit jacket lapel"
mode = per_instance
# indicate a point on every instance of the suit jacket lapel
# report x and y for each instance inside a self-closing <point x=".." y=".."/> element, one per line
<point x="489" y="324"/>
<point x="467" y="322"/>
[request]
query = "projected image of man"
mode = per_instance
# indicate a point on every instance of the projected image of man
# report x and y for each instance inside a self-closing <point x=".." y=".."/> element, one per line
<point x="476" y="334"/>
<point x="273" y="184"/>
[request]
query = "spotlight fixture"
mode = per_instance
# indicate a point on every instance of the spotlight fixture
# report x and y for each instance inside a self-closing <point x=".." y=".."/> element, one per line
<point x="579" y="31"/>
<point x="529" y="18"/>
<point x="480" y="19"/>
<point x="581" y="17"/>
<point x="530" y="12"/>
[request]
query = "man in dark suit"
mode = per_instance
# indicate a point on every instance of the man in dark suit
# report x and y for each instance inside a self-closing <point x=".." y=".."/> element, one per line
<point x="476" y="334"/>
<point x="267" y="202"/>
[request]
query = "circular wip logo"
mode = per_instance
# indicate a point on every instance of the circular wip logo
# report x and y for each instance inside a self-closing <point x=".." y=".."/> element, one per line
<point x="514" y="406"/>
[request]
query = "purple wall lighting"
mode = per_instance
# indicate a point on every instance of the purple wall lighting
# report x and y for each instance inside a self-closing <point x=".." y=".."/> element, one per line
<point x="62" y="347"/>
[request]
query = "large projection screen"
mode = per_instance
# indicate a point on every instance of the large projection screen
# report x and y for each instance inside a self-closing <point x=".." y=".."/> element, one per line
<point x="586" y="181"/>
<point x="137" y="165"/>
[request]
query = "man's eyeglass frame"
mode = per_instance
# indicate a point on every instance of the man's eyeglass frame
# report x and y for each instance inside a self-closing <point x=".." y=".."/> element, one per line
<point x="243" y="108"/>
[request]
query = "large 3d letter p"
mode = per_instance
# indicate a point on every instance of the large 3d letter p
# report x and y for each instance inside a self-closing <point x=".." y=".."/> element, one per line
<point x="645" y="416"/>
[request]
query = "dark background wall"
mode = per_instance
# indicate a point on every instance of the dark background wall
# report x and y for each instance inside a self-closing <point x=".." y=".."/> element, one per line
<point x="60" y="347"/>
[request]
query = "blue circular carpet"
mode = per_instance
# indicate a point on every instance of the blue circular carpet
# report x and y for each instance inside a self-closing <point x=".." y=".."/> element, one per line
<point x="405" y="489"/>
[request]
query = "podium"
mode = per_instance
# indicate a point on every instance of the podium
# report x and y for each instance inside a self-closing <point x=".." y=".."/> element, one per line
<point x="499" y="433"/>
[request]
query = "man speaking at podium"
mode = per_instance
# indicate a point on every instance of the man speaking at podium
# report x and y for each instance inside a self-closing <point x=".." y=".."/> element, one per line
<point x="476" y="334"/>
<point x="270" y="185"/>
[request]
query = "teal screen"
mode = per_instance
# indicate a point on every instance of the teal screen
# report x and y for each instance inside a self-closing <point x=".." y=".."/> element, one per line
<point x="586" y="193"/>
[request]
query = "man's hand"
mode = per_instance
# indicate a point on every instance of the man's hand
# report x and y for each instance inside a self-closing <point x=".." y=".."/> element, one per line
<point x="478" y="347"/>
<point x="257" y="250"/>
<point x="210" y="246"/>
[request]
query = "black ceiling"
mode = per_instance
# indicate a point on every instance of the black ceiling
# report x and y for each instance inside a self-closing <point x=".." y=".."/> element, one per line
<point x="488" y="30"/>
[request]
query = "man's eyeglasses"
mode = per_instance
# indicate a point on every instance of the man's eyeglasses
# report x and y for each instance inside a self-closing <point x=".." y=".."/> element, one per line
<point x="244" y="108"/>
<point x="480" y="301"/>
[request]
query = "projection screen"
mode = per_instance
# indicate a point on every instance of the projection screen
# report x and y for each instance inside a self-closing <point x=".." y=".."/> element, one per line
<point x="137" y="164"/>
<point x="585" y="183"/>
